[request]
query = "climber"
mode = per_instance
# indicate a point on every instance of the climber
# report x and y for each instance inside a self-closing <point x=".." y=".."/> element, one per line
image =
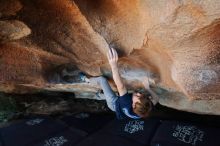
<point x="136" y="105"/>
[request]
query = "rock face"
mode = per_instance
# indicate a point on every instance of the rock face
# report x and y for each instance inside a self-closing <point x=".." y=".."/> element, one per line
<point x="9" y="8"/>
<point x="13" y="30"/>
<point x="175" y="43"/>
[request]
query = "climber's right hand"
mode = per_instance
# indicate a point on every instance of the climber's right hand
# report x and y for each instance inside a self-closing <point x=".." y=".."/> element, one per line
<point x="112" y="57"/>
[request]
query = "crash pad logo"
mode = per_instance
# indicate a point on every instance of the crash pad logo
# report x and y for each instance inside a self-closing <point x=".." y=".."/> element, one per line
<point x="188" y="134"/>
<point x="34" y="122"/>
<point x="134" y="126"/>
<point x="82" y="116"/>
<point x="55" y="141"/>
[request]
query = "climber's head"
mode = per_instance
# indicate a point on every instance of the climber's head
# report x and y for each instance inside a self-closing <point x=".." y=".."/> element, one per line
<point x="141" y="103"/>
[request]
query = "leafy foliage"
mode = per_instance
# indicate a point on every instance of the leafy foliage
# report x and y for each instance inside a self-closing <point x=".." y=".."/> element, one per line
<point x="7" y="108"/>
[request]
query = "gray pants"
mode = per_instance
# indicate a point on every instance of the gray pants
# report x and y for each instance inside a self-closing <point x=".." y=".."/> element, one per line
<point x="109" y="95"/>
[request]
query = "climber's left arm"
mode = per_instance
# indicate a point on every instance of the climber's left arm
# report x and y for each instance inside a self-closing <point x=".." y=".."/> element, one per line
<point x="155" y="97"/>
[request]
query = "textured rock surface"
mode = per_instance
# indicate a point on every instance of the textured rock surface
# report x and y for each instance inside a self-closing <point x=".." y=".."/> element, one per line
<point x="176" y="43"/>
<point x="9" y="8"/>
<point x="13" y="30"/>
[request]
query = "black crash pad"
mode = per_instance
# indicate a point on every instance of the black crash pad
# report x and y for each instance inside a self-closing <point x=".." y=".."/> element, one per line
<point x="140" y="131"/>
<point x="88" y="122"/>
<point x="29" y="130"/>
<point x="105" y="139"/>
<point x="173" y="133"/>
<point x="69" y="137"/>
<point x="124" y="133"/>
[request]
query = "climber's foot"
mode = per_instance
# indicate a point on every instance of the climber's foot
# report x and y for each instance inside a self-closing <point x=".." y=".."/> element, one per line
<point x="83" y="77"/>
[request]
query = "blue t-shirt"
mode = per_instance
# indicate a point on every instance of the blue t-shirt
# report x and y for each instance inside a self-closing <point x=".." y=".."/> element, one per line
<point x="124" y="107"/>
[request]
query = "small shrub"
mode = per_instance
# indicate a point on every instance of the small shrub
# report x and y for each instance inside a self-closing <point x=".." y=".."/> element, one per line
<point x="7" y="108"/>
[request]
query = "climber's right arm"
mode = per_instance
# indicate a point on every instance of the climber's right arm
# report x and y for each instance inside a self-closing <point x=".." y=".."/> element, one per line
<point x="113" y="59"/>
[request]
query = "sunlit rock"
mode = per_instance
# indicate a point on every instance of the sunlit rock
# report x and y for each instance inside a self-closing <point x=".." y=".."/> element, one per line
<point x="175" y="43"/>
<point x="13" y="30"/>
